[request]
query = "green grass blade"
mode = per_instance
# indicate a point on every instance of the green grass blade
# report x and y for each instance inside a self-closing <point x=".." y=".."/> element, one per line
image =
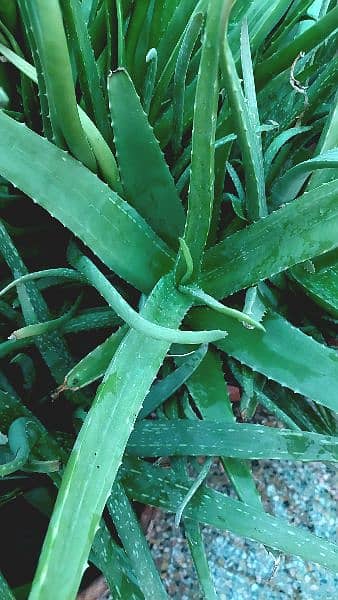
<point x="146" y="179"/>
<point x="149" y="80"/>
<point x="215" y="438"/>
<point x="85" y="321"/>
<point x="53" y="52"/>
<point x="197" y="550"/>
<point x="64" y="273"/>
<point x="168" y="49"/>
<point x="37" y="329"/>
<point x="82" y="203"/>
<point x="294" y="16"/>
<point x="201" y="189"/>
<point x="263" y="16"/>
<point x="327" y="141"/>
<point x="155" y="485"/>
<point x="192" y="490"/>
<point x="47" y="112"/>
<point x="92" y="319"/>
<point x="248" y="77"/>
<point x="99" y="447"/>
<point x="115" y="566"/>
<point x="283" y="353"/>
<point x="322" y="285"/>
<point x="134" y="33"/>
<point x="292" y="234"/>
<point x="135" y="544"/>
<point x="202" y="298"/>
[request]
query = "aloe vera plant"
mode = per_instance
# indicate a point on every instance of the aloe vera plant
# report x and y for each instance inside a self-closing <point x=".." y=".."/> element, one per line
<point x="168" y="197"/>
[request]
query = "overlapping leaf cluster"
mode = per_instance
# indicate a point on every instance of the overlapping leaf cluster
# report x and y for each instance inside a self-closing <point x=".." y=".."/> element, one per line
<point x="169" y="225"/>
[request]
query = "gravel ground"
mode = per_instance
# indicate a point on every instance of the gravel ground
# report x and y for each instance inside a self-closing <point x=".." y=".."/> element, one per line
<point x="303" y="494"/>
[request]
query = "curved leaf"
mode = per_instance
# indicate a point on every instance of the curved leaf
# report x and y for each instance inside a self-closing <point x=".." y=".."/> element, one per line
<point x="282" y="353"/>
<point x="90" y="209"/>
<point x="288" y="186"/>
<point x="99" y="448"/>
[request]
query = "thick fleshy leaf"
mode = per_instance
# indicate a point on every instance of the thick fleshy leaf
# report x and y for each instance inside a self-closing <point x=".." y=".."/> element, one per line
<point x="215" y="438"/>
<point x="146" y="178"/>
<point x="92" y="467"/>
<point x="159" y="487"/>
<point x="89" y="208"/>
<point x="294" y="233"/>
<point x="282" y="353"/>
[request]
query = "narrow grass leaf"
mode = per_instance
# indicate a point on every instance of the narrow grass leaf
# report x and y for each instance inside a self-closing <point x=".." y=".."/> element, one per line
<point x="115" y="566"/>
<point x="94" y="365"/>
<point x="168" y="49"/>
<point x="52" y="347"/>
<point x="103" y="154"/>
<point x="193" y="489"/>
<point x="284" y="57"/>
<point x="93" y="97"/>
<point x="133" y="319"/>
<point x="149" y="83"/>
<point x="201" y="297"/>
<point x="61" y="272"/>
<point x="37" y="329"/>
<point x="189" y="40"/>
<point x="245" y="115"/>
<point x="278" y="142"/>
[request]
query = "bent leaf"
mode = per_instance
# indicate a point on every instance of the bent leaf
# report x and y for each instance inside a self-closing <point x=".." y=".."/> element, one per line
<point x="288" y="186"/>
